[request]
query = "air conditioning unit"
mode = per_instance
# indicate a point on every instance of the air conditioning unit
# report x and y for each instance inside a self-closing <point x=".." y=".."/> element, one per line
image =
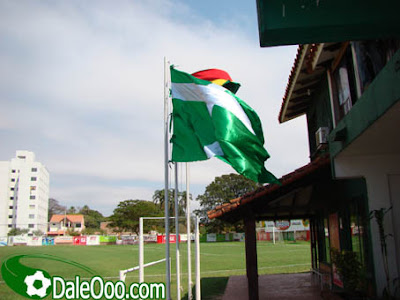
<point x="321" y="136"/>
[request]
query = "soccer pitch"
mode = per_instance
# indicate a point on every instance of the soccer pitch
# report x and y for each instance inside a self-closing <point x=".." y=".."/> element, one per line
<point x="218" y="262"/>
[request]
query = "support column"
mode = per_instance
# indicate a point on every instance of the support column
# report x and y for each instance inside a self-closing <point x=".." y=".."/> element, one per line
<point x="251" y="256"/>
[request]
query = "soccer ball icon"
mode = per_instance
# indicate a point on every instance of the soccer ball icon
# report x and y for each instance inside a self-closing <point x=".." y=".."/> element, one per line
<point x="32" y="290"/>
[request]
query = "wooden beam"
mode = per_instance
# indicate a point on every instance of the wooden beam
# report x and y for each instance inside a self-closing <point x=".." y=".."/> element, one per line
<point x="340" y="55"/>
<point x="299" y="106"/>
<point x="295" y="113"/>
<point x="251" y="256"/>
<point x="334" y="47"/>
<point x="306" y="88"/>
<point x="299" y="99"/>
<point x="310" y="80"/>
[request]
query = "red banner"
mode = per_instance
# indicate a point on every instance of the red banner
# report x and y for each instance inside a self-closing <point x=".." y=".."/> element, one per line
<point x="172" y="239"/>
<point x="80" y="240"/>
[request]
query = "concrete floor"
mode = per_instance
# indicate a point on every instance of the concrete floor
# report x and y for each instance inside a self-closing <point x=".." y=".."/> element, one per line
<point x="278" y="286"/>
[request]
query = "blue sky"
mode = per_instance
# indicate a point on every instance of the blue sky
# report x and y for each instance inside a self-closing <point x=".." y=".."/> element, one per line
<point x="81" y="85"/>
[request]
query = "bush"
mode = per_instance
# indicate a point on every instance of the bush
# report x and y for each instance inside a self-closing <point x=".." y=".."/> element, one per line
<point x="349" y="268"/>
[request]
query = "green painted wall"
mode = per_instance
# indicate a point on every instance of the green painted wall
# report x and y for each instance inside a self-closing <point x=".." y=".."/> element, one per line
<point x="319" y="113"/>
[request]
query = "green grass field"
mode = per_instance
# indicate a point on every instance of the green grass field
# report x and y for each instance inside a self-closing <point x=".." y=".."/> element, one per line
<point x="218" y="262"/>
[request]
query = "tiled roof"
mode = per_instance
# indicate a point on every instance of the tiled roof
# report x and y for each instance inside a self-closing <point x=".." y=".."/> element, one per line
<point x="309" y="67"/>
<point x="301" y="51"/>
<point x="286" y="180"/>
<point x="71" y="218"/>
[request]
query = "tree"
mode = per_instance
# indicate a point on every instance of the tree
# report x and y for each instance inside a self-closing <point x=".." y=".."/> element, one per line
<point x="93" y="218"/>
<point x="72" y="232"/>
<point x="89" y="231"/>
<point x="159" y="199"/>
<point x="38" y="232"/>
<point x="17" y="231"/>
<point x="221" y="190"/>
<point x="55" y="208"/>
<point x="126" y="215"/>
<point x="72" y="210"/>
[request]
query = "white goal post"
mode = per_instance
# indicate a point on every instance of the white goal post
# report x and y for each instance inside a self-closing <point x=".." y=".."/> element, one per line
<point x="197" y="255"/>
<point x="122" y="273"/>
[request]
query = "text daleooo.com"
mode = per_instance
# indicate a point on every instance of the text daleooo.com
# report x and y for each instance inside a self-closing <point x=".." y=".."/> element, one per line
<point x="96" y="288"/>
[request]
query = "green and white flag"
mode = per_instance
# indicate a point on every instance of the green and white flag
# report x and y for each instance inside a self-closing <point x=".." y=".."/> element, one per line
<point x="209" y="120"/>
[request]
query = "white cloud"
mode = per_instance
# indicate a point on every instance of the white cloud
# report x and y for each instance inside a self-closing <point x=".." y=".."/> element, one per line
<point x="82" y="85"/>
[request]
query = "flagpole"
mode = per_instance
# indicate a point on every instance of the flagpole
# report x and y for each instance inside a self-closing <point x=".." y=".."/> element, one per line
<point x="166" y="179"/>
<point x="197" y="242"/>
<point x="188" y="232"/>
<point x="178" y="263"/>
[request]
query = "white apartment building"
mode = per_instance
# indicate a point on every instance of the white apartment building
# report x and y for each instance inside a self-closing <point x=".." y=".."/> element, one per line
<point x="24" y="194"/>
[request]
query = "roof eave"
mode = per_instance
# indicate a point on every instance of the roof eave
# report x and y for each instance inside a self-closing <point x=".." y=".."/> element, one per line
<point x="232" y="209"/>
<point x="307" y="58"/>
<point x="297" y="66"/>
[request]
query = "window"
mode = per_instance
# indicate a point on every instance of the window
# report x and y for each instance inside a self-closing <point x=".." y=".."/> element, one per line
<point x="34" y="169"/>
<point x="32" y="197"/>
<point x="33" y="188"/>
<point x="78" y="225"/>
<point x="32" y="216"/>
<point x="31" y="225"/>
<point x="322" y="236"/>
<point x="11" y="198"/>
<point x="33" y="178"/>
<point x="11" y="189"/>
<point x="32" y="206"/>
<point x="12" y="179"/>
<point x="11" y="207"/>
<point x="10" y="216"/>
<point x="355" y="69"/>
<point x="358" y="223"/>
<point x="327" y="242"/>
<point x="371" y="56"/>
<point x="343" y="85"/>
<point x="9" y="225"/>
<point x="12" y="171"/>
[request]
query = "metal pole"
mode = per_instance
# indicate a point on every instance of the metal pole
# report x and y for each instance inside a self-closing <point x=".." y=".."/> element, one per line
<point x="273" y="233"/>
<point x="166" y="159"/>
<point x="197" y="241"/>
<point x="188" y="232"/>
<point x="141" y="250"/>
<point x="178" y="263"/>
<point x="122" y="275"/>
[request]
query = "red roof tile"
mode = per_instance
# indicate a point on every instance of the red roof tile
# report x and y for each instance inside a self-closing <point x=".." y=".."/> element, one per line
<point x="71" y="218"/>
<point x="268" y="189"/>
<point x="292" y="76"/>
